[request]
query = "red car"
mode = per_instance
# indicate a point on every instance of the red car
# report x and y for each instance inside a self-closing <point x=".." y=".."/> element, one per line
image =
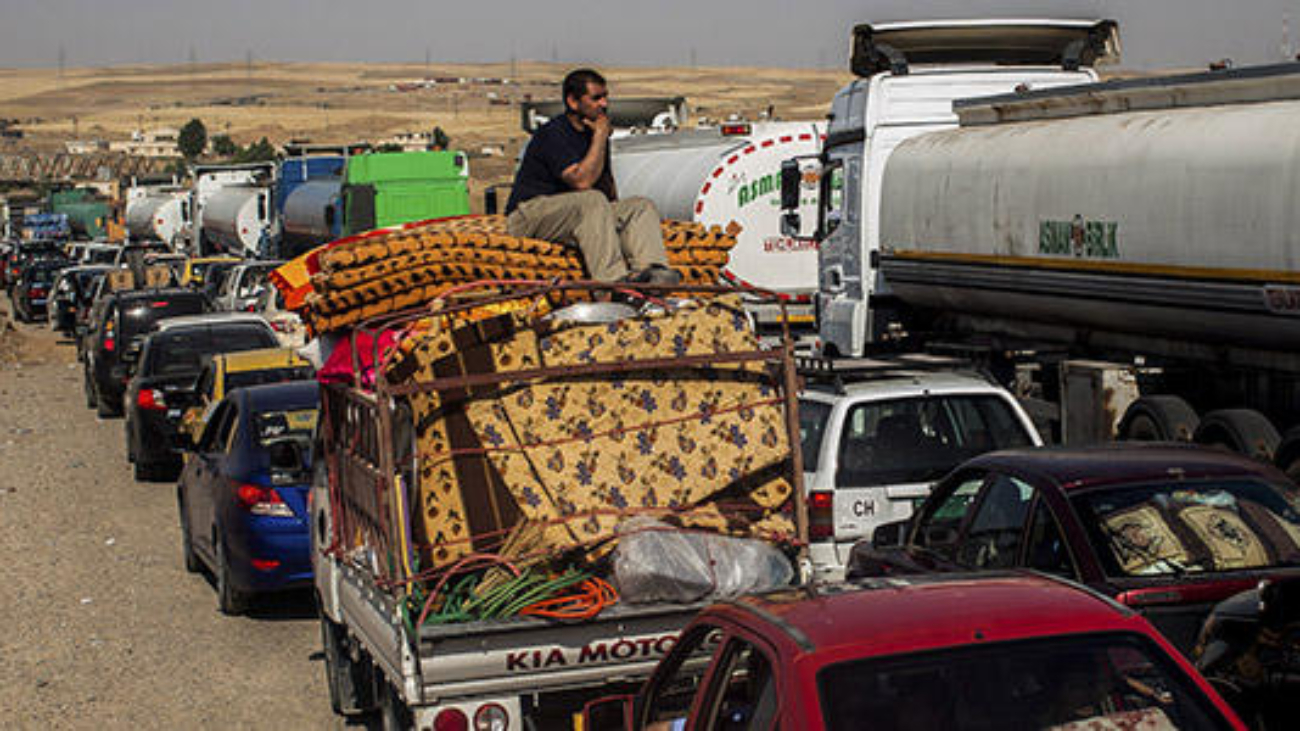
<point x="992" y="651"/>
<point x="1168" y="530"/>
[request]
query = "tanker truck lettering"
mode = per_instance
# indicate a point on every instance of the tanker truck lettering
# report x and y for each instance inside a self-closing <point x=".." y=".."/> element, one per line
<point x="1079" y="238"/>
<point x="765" y="186"/>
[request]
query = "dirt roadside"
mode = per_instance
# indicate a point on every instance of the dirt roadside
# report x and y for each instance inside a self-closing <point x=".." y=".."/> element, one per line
<point x="102" y="626"/>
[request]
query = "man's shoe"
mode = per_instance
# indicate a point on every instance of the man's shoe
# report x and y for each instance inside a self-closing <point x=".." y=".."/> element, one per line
<point x="657" y="274"/>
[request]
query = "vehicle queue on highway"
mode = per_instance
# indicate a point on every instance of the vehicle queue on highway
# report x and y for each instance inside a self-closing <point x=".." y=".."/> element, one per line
<point x="212" y="400"/>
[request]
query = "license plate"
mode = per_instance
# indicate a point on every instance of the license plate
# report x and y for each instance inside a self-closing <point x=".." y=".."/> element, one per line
<point x="173" y="413"/>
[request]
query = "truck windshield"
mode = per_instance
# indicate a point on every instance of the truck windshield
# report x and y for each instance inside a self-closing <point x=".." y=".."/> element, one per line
<point x="914" y="440"/>
<point x="1192" y="526"/>
<point x="1071" y="682"/>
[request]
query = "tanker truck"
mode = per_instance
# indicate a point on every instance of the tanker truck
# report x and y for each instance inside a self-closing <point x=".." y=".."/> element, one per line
<point x="731" y="173"/>
<point x="157" y="213"/>
<point x="1124" y="255"/>
<point x="232" y="208"/>
<point x="375" y="190"/>
<point x="88" y="215"/>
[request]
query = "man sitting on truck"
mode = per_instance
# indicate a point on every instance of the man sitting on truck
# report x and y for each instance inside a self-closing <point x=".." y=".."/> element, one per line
<point x="564" y="191"/>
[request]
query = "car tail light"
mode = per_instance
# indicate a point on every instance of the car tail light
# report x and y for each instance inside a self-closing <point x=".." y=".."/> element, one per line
<point x="151" y="399"/>
<point x="280" y="326"/>
<point x="491" y="717"/>
<point x="731" y="130"/>
<point x="821" y="515"/>
<point x="451" y="720"/>
<point x="260" y="500"/>
<point x="109" y="344"/>
<point x="251" y="308"/>
<point x="265" y="564"/>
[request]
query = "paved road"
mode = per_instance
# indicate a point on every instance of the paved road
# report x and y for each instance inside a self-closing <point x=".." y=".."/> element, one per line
<point x="101" y="627"/>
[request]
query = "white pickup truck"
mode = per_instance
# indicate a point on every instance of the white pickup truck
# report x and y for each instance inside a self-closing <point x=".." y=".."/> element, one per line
<point x="876" y="434"/>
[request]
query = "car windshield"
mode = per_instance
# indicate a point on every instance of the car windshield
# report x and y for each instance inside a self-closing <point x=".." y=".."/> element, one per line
<point x="244" y="379"/>
<point x="921" y="439"/>
<point x="253" y="281"/>
<point x="1182" y="527"/>
<point x="1068" y="683"/>
<point x="812" y="427"/>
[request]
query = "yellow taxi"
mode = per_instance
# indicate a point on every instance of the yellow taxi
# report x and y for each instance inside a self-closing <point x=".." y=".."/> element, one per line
<point x="196" y="268"/>
<point x="225" y="372"/>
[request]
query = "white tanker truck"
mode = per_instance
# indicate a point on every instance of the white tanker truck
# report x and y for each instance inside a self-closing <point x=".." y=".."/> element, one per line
<point x="157" y="213"/>
<point x="1125" y="255"/>
<point x="233" y="209"/>
<point x="731" y="172"/>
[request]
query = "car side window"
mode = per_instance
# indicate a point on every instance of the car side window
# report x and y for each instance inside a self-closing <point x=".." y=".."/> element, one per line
<point x="1046" y="549"/>
<point x="215" y="427"/>
<point x="941" y="527"/>
<point x="673" y="692"/>
<point x="226" y="440"/>
<point x="994" y="534"/>
<point x="748" y="697"/>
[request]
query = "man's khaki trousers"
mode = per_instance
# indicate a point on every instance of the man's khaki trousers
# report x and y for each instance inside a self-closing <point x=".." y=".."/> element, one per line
<point x="614" y="238"/>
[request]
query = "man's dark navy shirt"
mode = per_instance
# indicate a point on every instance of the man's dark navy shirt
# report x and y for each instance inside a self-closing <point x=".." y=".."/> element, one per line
<point x="554" y="146"/>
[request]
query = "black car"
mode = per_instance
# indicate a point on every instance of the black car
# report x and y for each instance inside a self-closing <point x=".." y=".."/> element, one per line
<point x="32" y="290"/>
<point x="163" y="385"/>
<point x="71" y="295"/>
<point x="117" y="328"/>
<point x="25" y="253"/>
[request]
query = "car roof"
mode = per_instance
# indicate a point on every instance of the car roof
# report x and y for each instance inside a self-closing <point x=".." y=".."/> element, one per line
<point x="208" y="318"/>
<point x="261" y="359"/>
<point x="907" y="613"/>
<point x="899" y="385"/>
<point x="287" y="394"/>
<point x="139" y="294"/>
<point x="1077" y="468"/>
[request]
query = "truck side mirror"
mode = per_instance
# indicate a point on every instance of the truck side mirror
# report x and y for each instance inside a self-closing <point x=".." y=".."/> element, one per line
<point x="612" y="713"/>
<point x="790" y="181"/>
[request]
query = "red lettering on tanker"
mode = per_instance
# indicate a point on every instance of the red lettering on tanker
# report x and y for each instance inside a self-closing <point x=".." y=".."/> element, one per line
<point x="1282" y="300"/>
<point x="595" y="653"/>
<point x="787" y="244"/>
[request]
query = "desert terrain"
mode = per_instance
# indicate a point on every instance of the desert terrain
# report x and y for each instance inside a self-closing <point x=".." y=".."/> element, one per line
<point x="338" y="103"/>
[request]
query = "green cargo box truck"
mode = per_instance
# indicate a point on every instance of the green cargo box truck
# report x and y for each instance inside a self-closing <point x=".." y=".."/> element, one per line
<point x="386" y="189"/>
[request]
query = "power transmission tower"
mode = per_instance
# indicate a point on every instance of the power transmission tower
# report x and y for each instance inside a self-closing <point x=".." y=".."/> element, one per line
<point x="63" y="60"/>
<point x="248" y="64"/>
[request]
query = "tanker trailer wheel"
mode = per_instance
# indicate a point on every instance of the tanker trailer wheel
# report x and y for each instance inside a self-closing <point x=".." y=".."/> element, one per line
<point x="1158" y="419"/>
<point x="1287" y="457"/>
<point x="1244" y="431"/>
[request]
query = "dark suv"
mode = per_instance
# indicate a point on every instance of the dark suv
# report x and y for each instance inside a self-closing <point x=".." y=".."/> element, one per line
<point x="31" y="292"/>
<point x="163" y="385"/>
<point x="117" y="328"/>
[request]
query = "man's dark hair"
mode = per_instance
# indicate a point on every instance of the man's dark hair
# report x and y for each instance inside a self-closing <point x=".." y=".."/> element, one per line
<point x="575" y="83"/>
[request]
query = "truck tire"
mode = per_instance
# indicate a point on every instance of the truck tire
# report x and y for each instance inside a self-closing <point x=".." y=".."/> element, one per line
<point x="351" y="682"/>
<point x="1244" y="431"/>
<point x="1287" y="457"/>
<point x="393" y="713"/>
<point x="230" y="600"/>
<point x="1158" y="419"/>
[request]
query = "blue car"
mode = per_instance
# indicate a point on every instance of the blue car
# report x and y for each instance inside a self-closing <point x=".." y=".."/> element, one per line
<point x="243" y="493"/>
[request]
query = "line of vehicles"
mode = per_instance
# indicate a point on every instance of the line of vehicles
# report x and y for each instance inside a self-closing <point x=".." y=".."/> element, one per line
<point x="1064" y="261"/>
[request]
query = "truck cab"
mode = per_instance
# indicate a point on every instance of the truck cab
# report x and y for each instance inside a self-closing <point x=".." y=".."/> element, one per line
<point x="909" y="75"/>
<point x="876" y="436"/>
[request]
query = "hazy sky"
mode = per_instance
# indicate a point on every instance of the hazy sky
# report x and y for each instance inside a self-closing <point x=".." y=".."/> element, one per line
<point x="1156" y="33"/>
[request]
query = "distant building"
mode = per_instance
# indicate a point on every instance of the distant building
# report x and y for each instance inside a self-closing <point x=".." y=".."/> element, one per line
<point x="85" y="147"/>
<point x="160" y="142"/>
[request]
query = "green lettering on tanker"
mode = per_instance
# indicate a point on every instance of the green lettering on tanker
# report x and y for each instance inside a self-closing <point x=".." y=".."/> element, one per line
<point x="1079" y="238"/>
<point x="755" y="189"/>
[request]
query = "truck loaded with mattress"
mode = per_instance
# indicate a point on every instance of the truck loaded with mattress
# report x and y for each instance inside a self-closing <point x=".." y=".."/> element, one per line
<point x="528" y="483"/>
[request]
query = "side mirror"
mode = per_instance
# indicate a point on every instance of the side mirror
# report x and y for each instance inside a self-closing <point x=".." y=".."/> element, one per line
<point x="889" y="535"/>
<point x="791" y="224"/>
<point x="791" y="179"/>
<point x="613" y="713"/>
